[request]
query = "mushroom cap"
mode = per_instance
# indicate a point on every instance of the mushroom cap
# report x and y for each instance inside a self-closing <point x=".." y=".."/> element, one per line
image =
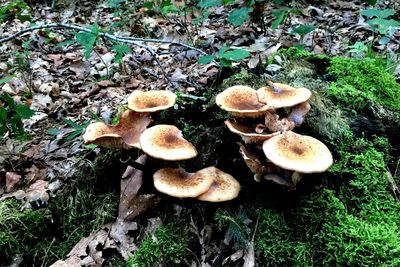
<point x="166" y="142"/>
<point x="283" y="96"/>
<point x="151" y="101"/>
<point x="301" y="153"/>
<point x="224" y="187"/>
<point x="179" y="183"/>
<point x="241" y="101"/>
<point x="123" y="135"/>
<point x="248" y="134"/>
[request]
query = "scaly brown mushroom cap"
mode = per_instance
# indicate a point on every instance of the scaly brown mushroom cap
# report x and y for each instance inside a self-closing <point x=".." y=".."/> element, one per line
<point x="224" y="188"/>
<point x="123" y="135"/>
<point x="166" y="142"/>
<point x="241" y="101"/>
<point x="151" y="101"/>
<point x="301" y="153"/>
<point x="179" y="183"/>
<point x="248" y="134"/>
<point x="278" y="95"/>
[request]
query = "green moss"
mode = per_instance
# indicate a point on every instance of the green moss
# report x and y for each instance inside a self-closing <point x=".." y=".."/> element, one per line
<point x="362" y="80"/>
<point x="276" y="244"/>
<point x="21" y="232"/>
<point x="242" y="78"/>
<point x="78" y="213"/>
<point x="168" y="248"/>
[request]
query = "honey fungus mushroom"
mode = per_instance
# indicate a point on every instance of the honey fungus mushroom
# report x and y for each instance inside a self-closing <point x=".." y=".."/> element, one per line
<point x="224" y="187"/>
<point x="241" y="101"/>
<point x="123" y="135"/>
<point x="182" y="184"/>
<point x="248" y="133"/>
<point x="299" y="153"/>
<point x="208" y="184"/>
<point x="151" y="101"/>
<point x="166" y="142"/>
<point x="279" y="95"/>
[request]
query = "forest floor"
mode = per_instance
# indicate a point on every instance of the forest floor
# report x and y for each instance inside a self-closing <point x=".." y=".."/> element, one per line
<point x="78" y="61"/>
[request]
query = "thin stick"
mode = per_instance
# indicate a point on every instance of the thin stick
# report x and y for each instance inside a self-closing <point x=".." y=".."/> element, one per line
<point x="129" y="40"/>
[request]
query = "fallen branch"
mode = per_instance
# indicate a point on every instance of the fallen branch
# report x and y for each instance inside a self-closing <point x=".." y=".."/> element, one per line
<point x="129" y="40"/>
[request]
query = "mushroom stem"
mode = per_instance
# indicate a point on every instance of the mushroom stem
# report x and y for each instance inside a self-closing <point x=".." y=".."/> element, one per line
<point x="298" y="113"/>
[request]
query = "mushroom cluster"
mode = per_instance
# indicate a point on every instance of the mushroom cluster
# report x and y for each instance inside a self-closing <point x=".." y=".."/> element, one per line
<point x="162" y="142"/>
<point x="264" y="119"/>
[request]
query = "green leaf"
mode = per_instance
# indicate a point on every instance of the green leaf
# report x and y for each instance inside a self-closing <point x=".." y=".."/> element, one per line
<point x="209" y="3"/>
<point x="53" y="132"/>
<point x="382" y="14"/>
<point x="225" y="62"/>
<point x="72" y="124"/>
<point x="6" y="79"/>
<point x="91" y="146"/>
<point x="304" y="29"/>
<point x="6" y="97"/>
<point x="24" y="111"/>
<point x="280" y="16"/>
<point x="72" y="135"/>
<point x="235" y="54"/>
<point x="121" y="51"/>
<point x="383" y="25"/>
<point x="371" y="2"/>
<point x="238" y="16"/>
<point x="65" y="43"/>
<point x="223" y="49"/>
<point x="88" y="39"/>
<point x="206" y="59"/>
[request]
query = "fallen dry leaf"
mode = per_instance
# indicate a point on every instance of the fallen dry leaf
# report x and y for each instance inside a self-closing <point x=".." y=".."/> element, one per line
<point x="12" y="179"/>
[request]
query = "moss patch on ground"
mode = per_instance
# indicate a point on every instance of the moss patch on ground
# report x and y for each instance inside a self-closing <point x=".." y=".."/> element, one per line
<point x="167" y="247"/>
<point x="43" y="236"/>
<point x="353" y="224"/>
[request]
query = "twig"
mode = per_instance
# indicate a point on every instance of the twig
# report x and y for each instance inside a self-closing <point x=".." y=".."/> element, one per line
<point x="129" y="40"/>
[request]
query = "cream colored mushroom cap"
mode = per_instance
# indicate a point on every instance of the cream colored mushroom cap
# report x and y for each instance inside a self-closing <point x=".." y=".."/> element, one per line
<point x="287" y="96"/>
<point x="248" y="133"/>
<point x="301" y="153"/>
<point x="151" y="101"/>
<point x="166" y="142"/>
<point x="224" y="188"/>
<point x="179" y="183"/>
<point x="241" y="101"/>
<point x="123" y="135"/>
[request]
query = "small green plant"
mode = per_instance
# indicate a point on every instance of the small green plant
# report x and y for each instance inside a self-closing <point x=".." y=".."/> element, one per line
<point x="167" y="248"/>
<point x="379" y="21"/>
<point x="11" y="116"/>
<point x="226" y="56"/>
<point x="79" y="129"/>
<point x="360" y="49"/>
<point x="15" y="9"/>
<point x="236" y="224"/>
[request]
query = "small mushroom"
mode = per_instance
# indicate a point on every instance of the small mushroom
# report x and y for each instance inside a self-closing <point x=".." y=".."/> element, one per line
<point x="300" y="153"/>
<point x="179" y="183"/>
<point x="278" y="95"/>
<point x="255" y="162"/>
<point x="298" y="113"/>
<point x="123" y="135"/>
<point x="224" y="187"/>
<point x="166" y="142"/>
<point x="151" y="101"/>
<point x="241" y="101"/>
<point x="248" y="134"/>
